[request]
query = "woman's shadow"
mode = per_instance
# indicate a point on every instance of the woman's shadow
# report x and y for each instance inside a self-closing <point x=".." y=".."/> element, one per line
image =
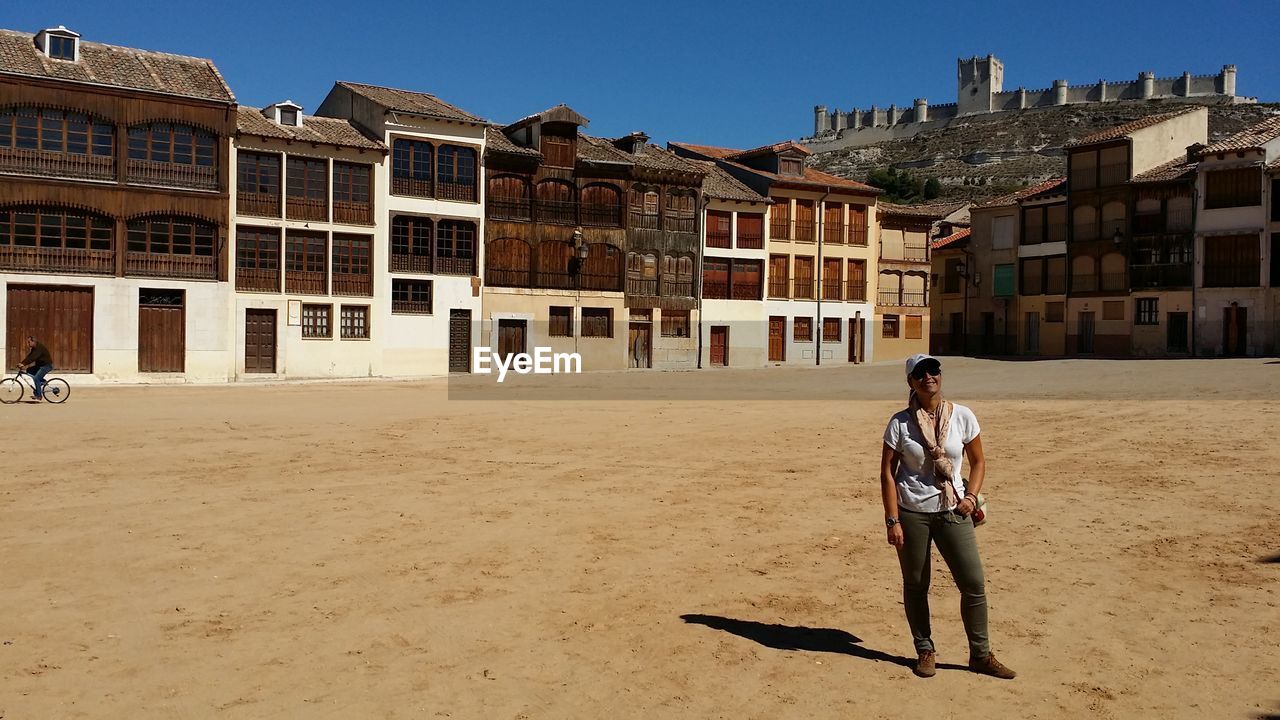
<point x="791" y="637"/>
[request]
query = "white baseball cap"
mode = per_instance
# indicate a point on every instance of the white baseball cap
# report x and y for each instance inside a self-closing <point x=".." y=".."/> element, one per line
<point x="915" y="360"/>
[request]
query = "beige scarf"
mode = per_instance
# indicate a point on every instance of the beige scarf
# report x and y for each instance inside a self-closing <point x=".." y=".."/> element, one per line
<point x="934" y="431"/>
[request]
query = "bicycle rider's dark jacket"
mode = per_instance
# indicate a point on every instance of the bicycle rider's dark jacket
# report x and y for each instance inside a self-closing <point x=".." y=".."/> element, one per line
<point x="38" y="357"/>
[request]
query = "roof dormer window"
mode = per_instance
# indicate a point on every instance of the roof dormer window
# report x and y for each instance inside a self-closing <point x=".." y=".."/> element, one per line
<point x="59" y="43"/>
<point x="284" y="113"/>
<point x="790" y="166"/>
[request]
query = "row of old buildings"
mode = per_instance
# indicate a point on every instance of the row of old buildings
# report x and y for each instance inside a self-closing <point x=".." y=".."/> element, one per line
<point x="154" y="229"/>
<point x="1157" y="243"/>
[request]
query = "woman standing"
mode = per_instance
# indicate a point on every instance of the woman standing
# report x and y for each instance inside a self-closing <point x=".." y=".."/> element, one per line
<point x="925" y="500"/>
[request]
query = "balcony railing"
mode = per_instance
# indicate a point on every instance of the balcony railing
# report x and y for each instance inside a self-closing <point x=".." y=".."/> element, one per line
<point x="642" y="286"/>
<point x="722" y="291"/>
<point x="682" y="223"/>
<point x="915" y="252"/>
<point x="57" y="164"/>
<point x="1057" y="233"/>
<point x="858" y="236"/>
<point x="556" y="279"/>
<point x="833" y="233"/>
<point x="902" y="298"/>
<point x="57" y="260"/>
<point x="195" y="267"/>
<point x="464" y="192"/>
<point x="411" y="307"/>
<point x="1084" y="178"/>
<point x="804" y="288"/>
<point x="778" y="288"/>
<point x="831" y="289"/>
<point x="887" y="297"/>
<point x="1231" y="275"/>
<point x="306" y="209"/>
<point x="257" y="280"/>
<point x="1056" y="285"/>
<point x="455" y="266"/>
<point x="673" y="287"/>
<point x="1114" y="281"/>
<point x="403" y="262"/>
<point x="856" y="291"/>
<point x="717" y="239"/>
<point x="411" y="187"/>
<point x="1084" y="283"/>
<point x="559" y="212"/>
<point x="258" y="204"/>
<point x="804" y="231"/>
<point x="504" y="209"/>
<point x="353" y="284"/>
<point x="303" y="282"/>
<point x="750" y="241"/>
<point x="1177" y="221"/>
<point x="1161" y="275"/>
<point x="600" y="281"/>
<point x="196" y="177"/>
<point x="504" y="277"/>
<point x="780" y="230"/>
<point x="602" y="215"/>
<point x="352" y="213"/>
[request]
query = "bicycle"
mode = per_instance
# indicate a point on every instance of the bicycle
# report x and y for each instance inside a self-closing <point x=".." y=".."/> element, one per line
<point x="12" y="389"/>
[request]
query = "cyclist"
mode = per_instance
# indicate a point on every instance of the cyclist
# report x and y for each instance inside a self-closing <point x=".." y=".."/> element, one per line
<point x="38" y="357"/>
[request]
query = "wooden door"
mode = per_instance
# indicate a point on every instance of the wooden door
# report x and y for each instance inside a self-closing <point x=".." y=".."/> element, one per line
<point x="259" y="341"/>
<point x="162" y="333"/>
<point x="60" y="317"/>
<point x="720" y="345"/>
<point x="1177" y="340"/>
<point x="460" y="341"/>
<point x="511" y="334"/>
<point x="988" y="333"/>
<point x="856" y="327"/>
<point x="639" y="345"/>
<point x="777" y="338"/>
<point x="1033" y="333"/>
<point x="1235" y="330"/>
<point x="1084" y="338"/>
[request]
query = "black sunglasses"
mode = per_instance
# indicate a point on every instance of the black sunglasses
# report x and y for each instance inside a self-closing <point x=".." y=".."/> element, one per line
<point x="932" y="367"/>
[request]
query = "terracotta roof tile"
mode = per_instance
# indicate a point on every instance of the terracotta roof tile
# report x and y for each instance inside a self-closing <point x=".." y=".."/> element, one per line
<point x="774" y="148"/>
<point x="330" y="131"/>
<point x="1176" y="169"/>
<point x="408" y="101"/>
<point x="1120" y="131"/>
<point x="1274" y="167"/>
<point x="934" y="211"/>
<point x="655" y="158"/>
<point x="707" y="150"/>
<point x="1038" y="189"/>
<point x="497" y="141"/>
<point x="810" y="177"/>
<point x="114" y="66"/>
<point x="1248" y="139"/>
<point x="952" y="239"/>
<point x="719" y="184"/>
<point x="599" y="150"/>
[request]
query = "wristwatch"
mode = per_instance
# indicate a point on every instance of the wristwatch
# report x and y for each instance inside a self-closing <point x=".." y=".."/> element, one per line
<point x="890" y="522"/>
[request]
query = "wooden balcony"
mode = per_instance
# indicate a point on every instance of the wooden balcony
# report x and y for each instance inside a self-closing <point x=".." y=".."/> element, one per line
<point x="412" y="187"/>
<point x="558" y="212"/>
<point x="405" y="263"/>
<point x="778" y="288"/>
<point x="258" y="204"/>
<point x="411" y="307"/>
<point x="856" y="292"/>
<point x="506" y="277"/>
<point x="682" y="224"/>
<point x="805" y="231"/>
<point x="352" y="213"/>
<point x="57" y="260"/>
<point x="598" y="281"/>
<point x="1113" y="281"/>
<point x="464" y="192"/>
<point x="190" y="177"/>
<point x="306" y="209"/>
<point x="1161" y="275"/>
<point x="455" y="266"/>
<point x="557" y="280"/>
<point x="831" y="290"/>
<point x="642" y="286"/>
<point x="750" y="241"/>
<point x="716" y="239"/>
<point x="803" y="288"/>
<point x="194" y="267"/>
<point x="257" y="280"/>
<point x="353" y="284"/>
<point x="673" y="287"/>
<point x="503" y="209"/>
<point x="57" y="164"/>
<point x="602" y="215"/>
<point x="301" y="282"/>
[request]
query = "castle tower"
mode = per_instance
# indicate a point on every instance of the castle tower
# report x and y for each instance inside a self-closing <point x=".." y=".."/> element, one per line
<point x="1228" y="76"/>
<point x="820" y="124"/>
<point x="978" y="80"/>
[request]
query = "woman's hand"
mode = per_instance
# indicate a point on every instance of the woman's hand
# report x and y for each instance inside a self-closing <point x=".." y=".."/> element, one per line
<point x="895" y="535"/>
<point x="965" y="508"/>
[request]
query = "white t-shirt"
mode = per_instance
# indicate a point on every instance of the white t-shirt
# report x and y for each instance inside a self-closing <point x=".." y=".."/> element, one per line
<point x="916" y="488"/>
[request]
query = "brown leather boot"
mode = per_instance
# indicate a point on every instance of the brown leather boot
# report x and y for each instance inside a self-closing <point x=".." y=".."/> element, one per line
<point x="927" y="664"/>
<point x="989" y="665"/>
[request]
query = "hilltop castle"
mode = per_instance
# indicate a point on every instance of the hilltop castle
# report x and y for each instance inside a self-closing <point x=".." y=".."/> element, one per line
<point x="980" y="90"/>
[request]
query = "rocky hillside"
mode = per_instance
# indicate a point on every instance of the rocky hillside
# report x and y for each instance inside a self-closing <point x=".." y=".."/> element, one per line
<point x="987" y="155"/>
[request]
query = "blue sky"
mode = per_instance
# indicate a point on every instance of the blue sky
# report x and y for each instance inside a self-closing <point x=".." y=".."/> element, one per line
<point x="738" y="74"/>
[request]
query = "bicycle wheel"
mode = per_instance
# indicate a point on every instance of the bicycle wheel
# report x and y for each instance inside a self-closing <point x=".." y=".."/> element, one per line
<point x="10" y="391"/>
<point x="56" y="390"/>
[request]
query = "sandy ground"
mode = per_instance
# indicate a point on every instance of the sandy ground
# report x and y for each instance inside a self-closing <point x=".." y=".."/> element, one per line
<point x="376" y="550"/>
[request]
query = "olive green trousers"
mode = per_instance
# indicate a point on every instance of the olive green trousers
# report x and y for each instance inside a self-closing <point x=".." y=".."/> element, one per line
<point x="955" y="538"/>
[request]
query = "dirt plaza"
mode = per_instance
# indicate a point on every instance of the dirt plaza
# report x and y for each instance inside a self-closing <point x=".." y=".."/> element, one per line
<point x="380" y="550"/>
